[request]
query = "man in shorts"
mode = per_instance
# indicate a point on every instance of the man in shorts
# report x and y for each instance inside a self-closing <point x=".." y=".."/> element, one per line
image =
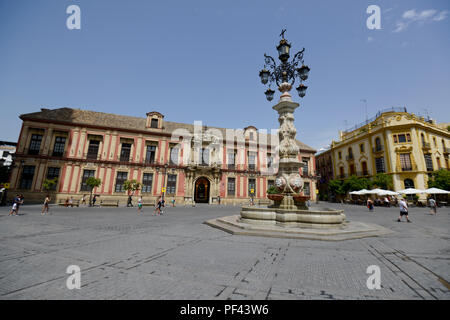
<point x="403" y="210"/>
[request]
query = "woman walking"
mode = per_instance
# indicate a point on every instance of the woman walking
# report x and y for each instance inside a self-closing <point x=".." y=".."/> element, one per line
<point x="45" y="207"/>
<point x="140" y="204"/>
<point x="158" y="207"/>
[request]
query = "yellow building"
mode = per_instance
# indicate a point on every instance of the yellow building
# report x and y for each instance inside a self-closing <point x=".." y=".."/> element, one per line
<point x="395" y="142"/>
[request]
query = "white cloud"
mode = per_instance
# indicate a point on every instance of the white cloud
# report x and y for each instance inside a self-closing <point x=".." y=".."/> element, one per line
<point x="411" y="16"/>
<point x="441" y="16"/>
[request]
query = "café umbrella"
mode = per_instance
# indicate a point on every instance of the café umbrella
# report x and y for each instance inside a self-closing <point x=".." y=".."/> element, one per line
<point x="411" y="191"/>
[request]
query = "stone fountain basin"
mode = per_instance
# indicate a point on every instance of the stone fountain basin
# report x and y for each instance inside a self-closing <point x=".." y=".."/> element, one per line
<point x="314" y="218"/>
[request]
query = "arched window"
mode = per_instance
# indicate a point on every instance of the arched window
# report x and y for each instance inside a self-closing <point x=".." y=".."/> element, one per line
<point x="378" y="144"/>
<point x="409" y="183"/>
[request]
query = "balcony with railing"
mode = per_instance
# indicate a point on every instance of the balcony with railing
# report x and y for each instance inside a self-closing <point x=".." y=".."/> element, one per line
<point x="349" y="157"/>
<point x="92" y="156"/>
<point x="377" y="149"/>
<point x="406" y="168"/>
<point x="426" y="145"/>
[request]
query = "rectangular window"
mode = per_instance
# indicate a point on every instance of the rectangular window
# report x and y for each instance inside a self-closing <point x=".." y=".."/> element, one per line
<point x="231" y="157"/>
<point x="173" y="160"/>
<point x="150" y="154"/>
<point x="379" y="164"/>
<point x="125" y="152"/>
<point x="205" y="157"/>
<point x="306" y="189"/>
<point x="93" y="149"/>
<point x="27" y="177"/>
<point x="361" y="148"/>
<point x="305" y="162"/>
<point x="339" y="155"/>
<point x="121" y="178"/>
<point x="395" y="138"/>
<point x="86" y="175"/>
<point x="53" y="173"/>
<point x="147" y="182"/>
<point x="408" y="137"/>
<point x="252" y="161"/>
<point x="251" y="187"/>
<point x="401" y="138"/>
<point x="58" y="148"/>
<point x="405" y="162"/>
<point x="231" y="186"/>
<point x="429" y="162"/>
<point x="269" y="160"/>
<point x="35" y="144"/>
<point x="171" y="183"/>
<point x="154" y="123"/>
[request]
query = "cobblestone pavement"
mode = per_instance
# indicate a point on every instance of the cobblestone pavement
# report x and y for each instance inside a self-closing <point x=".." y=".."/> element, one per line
<point x="125" y="255"/>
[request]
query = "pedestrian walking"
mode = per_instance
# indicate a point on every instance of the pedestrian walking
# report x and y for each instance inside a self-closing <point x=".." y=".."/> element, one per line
<point x="173" y="202"/>
<point x="140" y="204"/>
<point x="19" y="203"/>
<point x="94" y="199"/>
<point x="158" y="207"/>
<point x="403" y="210"/>
<point x="13" y="211"/>
<point x="83" y="199"/>
<point x="433" y="205"/>
<point x="46" y="203"/>
<point x="163" y="205"/>
<point x="370" y="205"/>
<point x="130" y="201"/>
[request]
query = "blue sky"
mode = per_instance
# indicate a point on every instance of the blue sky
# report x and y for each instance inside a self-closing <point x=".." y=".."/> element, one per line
<point x="199" y="60"/>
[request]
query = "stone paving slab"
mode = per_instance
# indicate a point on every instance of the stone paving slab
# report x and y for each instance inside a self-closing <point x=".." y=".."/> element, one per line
<point x="125" y="255"/>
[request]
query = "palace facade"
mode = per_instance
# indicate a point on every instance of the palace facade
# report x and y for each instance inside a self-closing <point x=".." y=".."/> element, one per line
<point x="395" y="142"/>
<point x="182" y="161"/>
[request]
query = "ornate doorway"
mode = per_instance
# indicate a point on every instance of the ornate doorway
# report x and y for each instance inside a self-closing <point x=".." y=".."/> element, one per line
<point x="202" y="187"/>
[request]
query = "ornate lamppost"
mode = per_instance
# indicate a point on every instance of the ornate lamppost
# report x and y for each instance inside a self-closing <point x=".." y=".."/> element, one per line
<point x="288" y="181"/>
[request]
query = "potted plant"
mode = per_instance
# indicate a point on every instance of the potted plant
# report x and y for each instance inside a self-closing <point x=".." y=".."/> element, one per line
<point x="273" y="194"/>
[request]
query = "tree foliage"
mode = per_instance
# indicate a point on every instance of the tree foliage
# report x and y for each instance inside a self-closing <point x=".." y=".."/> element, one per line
<point x="354" y="183"/>
<point x="93" y="183"/>
<point x="383" y="181"/>
<point x="49" y="184"/>
<point x="132" y="185"/>
<point x="336" y="187"/>
<point x="440" y="179"/>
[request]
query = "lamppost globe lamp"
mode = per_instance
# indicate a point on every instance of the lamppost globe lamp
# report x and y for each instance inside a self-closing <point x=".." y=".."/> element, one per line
<point x="303" y="72"/>
<point x="301" y="89"/>
<point x="264" y="74"/>
<point x="283" y="50"/>
<point x="269" y="94"/>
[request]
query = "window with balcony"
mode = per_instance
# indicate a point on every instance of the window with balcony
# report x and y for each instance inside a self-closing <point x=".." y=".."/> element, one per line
<point x="379" y="165"/>
<point x="174" y="151"/>
<point x="147" y="181"/>
<point x="125" y="152"/>
<point x="204" y="156"/>
<point x="339" y="155"/>
<point x="350" y="154"/>
<point x="93" y="149"/>
<point x="251" y="161"/>
<point x="361" y="148"/>
<point x="58" y="148"/>
<point x="231" y="186"/>
<point x="365" y="172"/>
<point x="305" y="167"/>
<point x="150" y="154"/>
<point x="35" y="144"/>
<point x="405" y="162"/>
<point x="378" y="146"/>
<point x="120" y="180"/>
<point x="86" y="175"/>
<point x="428" y="162"/>
<point x="171" y="184"/>
<point x="231" y="158"/>
<point x="26" y="179"/>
